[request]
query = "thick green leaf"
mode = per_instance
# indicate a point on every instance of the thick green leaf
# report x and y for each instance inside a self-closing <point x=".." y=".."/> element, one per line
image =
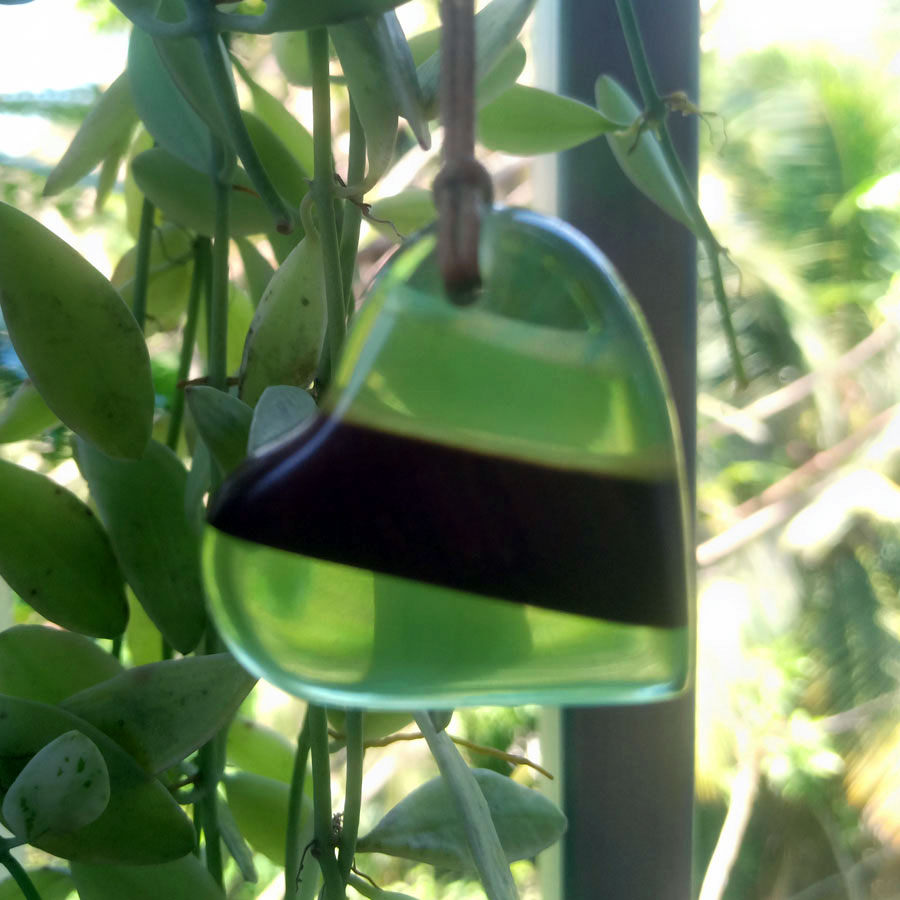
<point x="424" y="44"/>
<point x="259" y="749"/>
<point x="75" y="337"/>
<point x="400" y="69"/>
<point x="642" y="161"/>
<point x="424" y="825"/>
<point x="525" y="121"/>
<point x="279" y="410"/>
<point x="25" y="415"/>
<point x="50" y="883"/>
<point x="189" y="200"/>
<point x="282" y="168"/>
<point x="142" y="823"/>
<point x="182" y="879"/>
<point x="291" y="49"/>
<point x="260" y="807"/>
<point x="496" y="26"/>
<point x="404" y="213"/>
<point x="163" y="109"/>
<point x="55" y="555"/>
<point x="169" y="281"/>
<point x="183" y="60"/>
<point x="272" y="111"/>
<point x="288" y="15"/>
<point x="502" y="75"/>
<point x="366" y="70"/>
<point x="62" y="788"/>
<point x="48" y="664"/>
<point x="162" y="712"/>
<point x="142" y="505"/>
<point x="223" y="422"/>
<point x="109" y="123"/>
<point x="285" y="338"/>
<point x="257" y="269"/>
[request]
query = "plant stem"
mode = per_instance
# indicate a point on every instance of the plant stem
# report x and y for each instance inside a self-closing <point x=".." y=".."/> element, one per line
<point x="356" y="171"/>
<point x="352" y="792"/>
<point x="214" y="57"/>
<point x="323" y="190"/>
<point x="321" y="765"/>
<point x="19" y="875"/>
<point x="209" y="806"/>
<point x="655" y="111"/>
<point x="473" y="811"/>
<point x="293" y="851"/>
<point x="202" y="261"/>
<point x="218" y="313"/>
<point x="142" y="264"/>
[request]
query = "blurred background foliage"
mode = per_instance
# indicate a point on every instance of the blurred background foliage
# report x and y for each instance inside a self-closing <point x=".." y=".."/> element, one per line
<point x="798" y="719"/>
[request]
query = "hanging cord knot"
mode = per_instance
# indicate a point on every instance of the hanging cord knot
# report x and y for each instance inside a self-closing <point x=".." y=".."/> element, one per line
<point x="463" y="188"/>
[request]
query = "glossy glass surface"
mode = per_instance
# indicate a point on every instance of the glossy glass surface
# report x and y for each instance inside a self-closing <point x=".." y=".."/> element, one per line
<point x="488" y="508"/>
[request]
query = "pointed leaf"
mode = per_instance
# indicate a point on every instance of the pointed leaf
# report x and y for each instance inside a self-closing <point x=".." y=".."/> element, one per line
<point x="502" y="75"/>
<point x="525" y="121"/>
<point x="163" y="109"/>
<point x="182" y="879"/>
<point x="25" y="415"/>
<point x="141" y="824"/>
<point x="63" y="787"/>
<point x="75" y="337"/>
<point x="223" y="422"/>
<point x="48" y="664"/>
<point x="365" y="69"/>
<point x="109" y="170"/>
<point x="142" y="505"/>
<point x="259" y="749"/>
<point x="109" y="123"/>
<point x="282" y="168"/>
<point x="160" y="713"/>
<point x="496" y="26"/>
<point x="643" y="161"/>
<point x="285" y="338"/>
<point x="55" y="555"/>
<point x="400" y="69"/>
<point x="291" y="50"/>
<point x="260" y="807"/>
<point x="189" y="200"/>
<point x="424" y="825"/>
<point x="50" y="883"/>
<point x="279" y="410"/>
<point x="273" y="112"/>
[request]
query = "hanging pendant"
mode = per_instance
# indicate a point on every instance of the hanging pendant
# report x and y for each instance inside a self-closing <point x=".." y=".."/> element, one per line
<point x="489" y="506"/>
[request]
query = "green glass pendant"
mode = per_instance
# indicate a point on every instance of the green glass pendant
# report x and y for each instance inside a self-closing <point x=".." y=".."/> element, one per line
<point x="489" y="507"/>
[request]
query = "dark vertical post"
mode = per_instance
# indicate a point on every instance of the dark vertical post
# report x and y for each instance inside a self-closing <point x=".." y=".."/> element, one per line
<point x="628" y="772"/>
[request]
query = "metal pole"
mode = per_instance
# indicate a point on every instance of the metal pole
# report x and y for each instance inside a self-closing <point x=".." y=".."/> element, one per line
<point x="627" y="773"/>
